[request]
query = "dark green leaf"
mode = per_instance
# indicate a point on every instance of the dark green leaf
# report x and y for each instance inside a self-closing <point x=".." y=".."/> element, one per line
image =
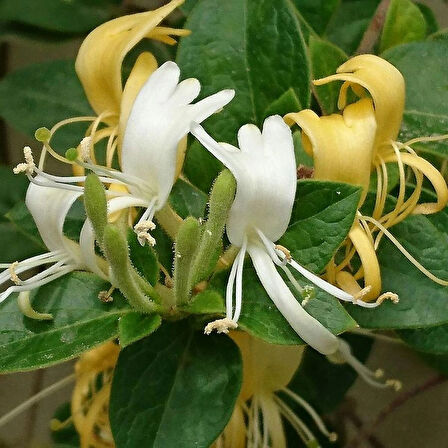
<point x="288" y="102"/>
<point x="227" y="50"/>
<point x="316" y="13"/>
<point x="187" y="199"/>
<point x="74" y="16"/>
<point x="426" y="111"/>
<point x="404" y="23"/>
<point x="175" y="388"/>
<point x="15" y="245"/>
<point x="349" y="23"/>
<point x="13" y="190"/>
<point x="81" y="321"/>
<point x="325" y="59"/>
<point x="135" y="326"/>
<point x="432" y="25"/>
<point x="429" y="340"/>
<point x="42" y="95"/>
<point x="322" y="216"/>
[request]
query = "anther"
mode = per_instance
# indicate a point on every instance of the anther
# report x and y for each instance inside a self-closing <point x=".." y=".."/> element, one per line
<point x="142" y="229"/>
<point x="106" y="296"/>
<point x="221" y="326"/>
<point x="12" y="273"/>
<point x="364" y="291"/>
<point x="388" y="295"/>
<point x="332" y="437"/>
<point x="397" y="385"/>
<point x="379" y="373"/>
<point x="85" y="148"/>
<point x="27" y="167"/>
<point x="285" y="251"/>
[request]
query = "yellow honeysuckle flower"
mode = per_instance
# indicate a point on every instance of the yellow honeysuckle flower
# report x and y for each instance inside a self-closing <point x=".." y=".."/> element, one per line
<point x="346" y="147"/>
<point x="257" y="419"/>
<point x="368" y="74"/>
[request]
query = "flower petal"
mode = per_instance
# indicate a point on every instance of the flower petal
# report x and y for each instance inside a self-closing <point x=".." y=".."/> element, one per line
<point x="101" y="54"/>
<point x="385" y="85"/>
<point x="49" y="207"/>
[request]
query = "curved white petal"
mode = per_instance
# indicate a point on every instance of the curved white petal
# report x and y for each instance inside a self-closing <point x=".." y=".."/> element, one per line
<point x="265" y="171"/>
<point x="160" y="118"/>
<point x="49" y="207"/>
<point x="306" y="326"/>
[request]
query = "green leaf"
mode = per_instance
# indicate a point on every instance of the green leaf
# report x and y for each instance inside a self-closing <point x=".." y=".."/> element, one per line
<point x="81" y="321"/>
<point x="346" y="28"/>
<point x="322" y="216"/>
<point x="429" y="340"/>
<point x="135" y="326"/>
<point x="325" y="59"/>
<point x="324" y="384"/>
<point x="174" y="388"/>
<point x="74" y="16"/>
<point x="287" y="102"/>
<point x="228" y="50"/>
<point x="316" y="14"/>
<point x="432" y="26"/>
<point x="206" y="302"/>
<point x="404" y="23"/>
<point x="439" y="35"/>
<point x="426" y="110"/>
<point x="15" y="245"/>
<point x="143" y="258"/>
<point x="13" y="190"/>
<point x="422" y="302"/>
<point x="188" y="200"/>
<point x="42" y="95"/>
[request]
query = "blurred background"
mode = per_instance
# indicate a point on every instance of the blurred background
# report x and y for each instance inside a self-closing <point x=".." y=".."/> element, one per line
<point x="415" y="418"/>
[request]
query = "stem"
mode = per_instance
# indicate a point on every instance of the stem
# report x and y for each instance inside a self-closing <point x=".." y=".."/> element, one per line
<point x="373" y="31"/>
<point x="366" y="432"/>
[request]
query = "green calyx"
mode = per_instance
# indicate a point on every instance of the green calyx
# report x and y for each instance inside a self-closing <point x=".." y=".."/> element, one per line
<point x="96" y="205"/>
<point x="210" y="245"/>
<point x="140" y="294"/>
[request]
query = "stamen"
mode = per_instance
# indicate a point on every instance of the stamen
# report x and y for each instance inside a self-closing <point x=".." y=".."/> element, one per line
<point x="345" y="354"/>
<point x="400" y="247"/>
<point x="106" y="296"/>
<point x="285" y="251"/>
<point x="27" y="167"/>
<point x="221" y="326"/>
<point x="332" y="436"/>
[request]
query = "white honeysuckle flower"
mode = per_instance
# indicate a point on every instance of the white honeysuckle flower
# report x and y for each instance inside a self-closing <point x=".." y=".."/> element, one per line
<point x="265" y="171"/>
<point x="49" y="208"/>
<point x="160" y="119"/>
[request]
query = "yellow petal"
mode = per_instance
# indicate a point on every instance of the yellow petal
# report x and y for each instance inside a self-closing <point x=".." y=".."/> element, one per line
<point x="266" y="367"/>
<point x="372" y="275"/>
<point x="341" y="145"/>
<point x="101" y="54"/>
<point x="385" y="85"/>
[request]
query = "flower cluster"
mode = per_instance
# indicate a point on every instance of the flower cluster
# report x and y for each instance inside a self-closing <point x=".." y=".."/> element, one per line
<point x="144" y="124"/>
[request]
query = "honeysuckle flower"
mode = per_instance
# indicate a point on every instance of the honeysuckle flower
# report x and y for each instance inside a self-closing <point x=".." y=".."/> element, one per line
<point x="49" y="208"/>
<point x="257" y="420"/>
<point x="99" y="68"/>
<point x="265" y="171"/>
<point x="347" y="147"/>
<point x="370" y="74"/>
